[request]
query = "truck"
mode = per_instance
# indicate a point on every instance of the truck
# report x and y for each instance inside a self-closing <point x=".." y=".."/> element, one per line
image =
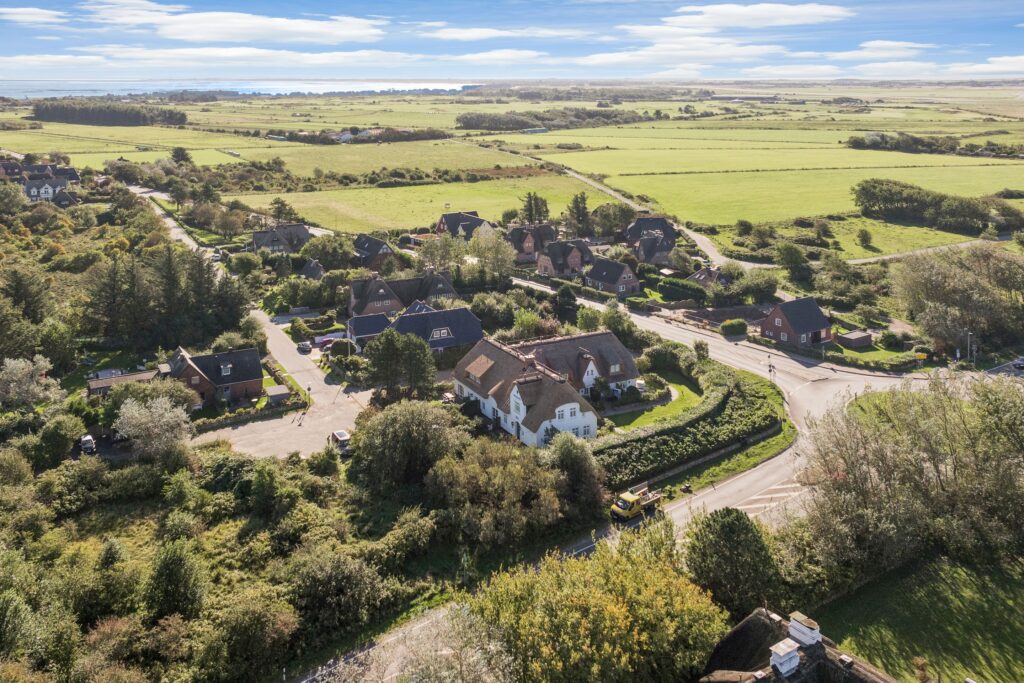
<point x="638" y="500"/>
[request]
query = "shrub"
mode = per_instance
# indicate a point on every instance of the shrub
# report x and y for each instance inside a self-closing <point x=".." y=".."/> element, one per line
<point x="734" y="326"/>
<point x="675" y="289"/>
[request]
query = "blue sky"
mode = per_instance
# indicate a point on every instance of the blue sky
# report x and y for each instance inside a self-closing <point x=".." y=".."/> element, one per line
<point x="490" y="39"/>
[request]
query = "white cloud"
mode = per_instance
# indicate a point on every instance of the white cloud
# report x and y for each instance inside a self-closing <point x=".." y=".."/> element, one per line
<point x="1008" y="66"/>
<point x="472" y="34"/>
<point x="794" y="71"/>
<point x="48" y="38"/>
<point x="135" y="56"/>
<point x="497" y="57"/>
<point x="681" y="71"/>
<point x="685" y="50"/>
<point x="45" y="61"/>
<point x="882" y="49"/>
<point x="759" y="15"/>
<point x="32" y="16"/>
<point x="174" y="22"/>
<point x="905" y="70"/>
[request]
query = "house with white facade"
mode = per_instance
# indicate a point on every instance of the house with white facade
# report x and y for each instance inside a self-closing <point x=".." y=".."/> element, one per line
<point x="522" y="395"/>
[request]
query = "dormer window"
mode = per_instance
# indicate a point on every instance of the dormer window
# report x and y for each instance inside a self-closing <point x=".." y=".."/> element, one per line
<point x="615" y="367"/>
<point x="440" y="333"/>
<point x="225" y="369"/>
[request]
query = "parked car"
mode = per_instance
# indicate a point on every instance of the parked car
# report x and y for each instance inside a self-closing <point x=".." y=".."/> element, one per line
<point x="305" y="347"/>
<point x="341" y="440"/>
<point x="87" y="444"/>
<point x="1019" y="365"/>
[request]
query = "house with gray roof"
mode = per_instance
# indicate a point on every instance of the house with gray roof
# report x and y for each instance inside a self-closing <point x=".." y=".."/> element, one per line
<point x="707" y="277"/>
<point x="799" y="322"/>
<point x="564" y="258"/>
<point x="312" y="270"/>
<point x="370" y="251"/>
<point x="529" y="240"/>
<point x="606" y="275"/>
<point x="44" y="189"/>
<point x="461" y="224"/>
<point x="521" y="395"/>
<point x="644" y="224"/>
<point x="377" y="295"/>
<point x="585" y="358"/>
<point x="441" y="329"/>
<point x="231" y="376"/>
<point x="287" y="238"/>
<point x="653" y="247"/>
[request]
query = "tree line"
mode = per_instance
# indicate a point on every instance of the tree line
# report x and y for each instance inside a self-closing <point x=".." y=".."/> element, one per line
<point x="567" y="117"/>
<point x="102" y="113"/>
<point x="899" y="201"/>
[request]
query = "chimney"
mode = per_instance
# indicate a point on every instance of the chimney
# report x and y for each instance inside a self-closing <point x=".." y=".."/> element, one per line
<point x="803" y="629"/>
<point x="785" y="657"/>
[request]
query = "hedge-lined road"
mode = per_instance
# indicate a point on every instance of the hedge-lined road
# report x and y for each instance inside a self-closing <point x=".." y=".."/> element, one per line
<point x="333" y="407"/>
<point x="810" y="387"/>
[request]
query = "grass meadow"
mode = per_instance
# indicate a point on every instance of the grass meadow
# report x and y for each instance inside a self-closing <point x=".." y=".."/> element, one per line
<point x="367" y="209"/>
<point x="962" y="619"/>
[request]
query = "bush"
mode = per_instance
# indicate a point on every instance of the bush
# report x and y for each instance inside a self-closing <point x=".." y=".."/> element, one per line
<point x="675" y="289"/>
<point x="734" y="326"/>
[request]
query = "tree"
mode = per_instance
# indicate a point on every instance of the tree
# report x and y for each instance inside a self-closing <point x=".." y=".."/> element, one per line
<point x="496" y="257"/>
<point x="443" y="253"/>
<point x="625" y="613"/>
<point x="59" y="343"/>
<point x="790" y="257"/>
<point x="611" y="218"/>
<point x="565" y="303"/>
<point x="864" y="237"/>
<point x="496" y="494"/>
<point x="382" y="354"/>
<point x="577" y="217"/>
<point x="176" y="584"/>
<point x="28" y="290"/>
<point x="244" y="263"/>
<point x="176" y="392"/>
<point x="179" y="191"/>
<point x="760" y="284"/>
<point x="588" y="319"/>
<point x="20" y="337"/>
<point x="700" y="350"/>
<point x="418" y="363"/>
<point x="333" y="251"/>
<point x="12" y="200"/>
<point x="251" y="636"/>
<point x="283" y="211"/>
<point x="744" y="227"/>
<point x="230" y="223"/>
<point x="535" y="208"/>
<point x="24" y="383"/>
<point x="580" y="480"/>
<point x="14" y="624"/>
<point x="180" y="155"/>
<point x="157" y="428"/>
<point x="398" y="445"/>
<point x="727" y="554"/>
<point x="333" y="592"/>
<point x="57" y="437"/>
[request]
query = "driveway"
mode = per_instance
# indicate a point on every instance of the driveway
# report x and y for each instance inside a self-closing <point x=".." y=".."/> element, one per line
<point x="334" y="407"/>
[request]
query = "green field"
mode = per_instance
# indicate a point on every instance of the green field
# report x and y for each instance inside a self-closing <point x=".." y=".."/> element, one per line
<point x="962" y="619"/>
<point x="724" y="198"/>
<point x="303" y="159"/>
<point x="366" y="209"/>
<point x="886" y="238"/>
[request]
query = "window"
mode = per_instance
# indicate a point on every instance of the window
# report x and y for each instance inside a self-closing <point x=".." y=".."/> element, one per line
<point x="615" y="367"/>
<point x="560" y="414"/>
<point x="440" y="333"/>
<point x="575" y="431"/>
<point x="586" y="430"/>
<point x="458" y="389"/>
<point x="783" y="336"/>
<point x="572" y="411"/>
<point x="622" y="288"/>
<point x="382" y="302"/>
<point x="803" y="338"/>
<point x="195" y="380"/>
<point x="629" y="276"/>
<point x="516" y="407"/>
<point x="225" y="369"/>
<point x="778" y="322"/>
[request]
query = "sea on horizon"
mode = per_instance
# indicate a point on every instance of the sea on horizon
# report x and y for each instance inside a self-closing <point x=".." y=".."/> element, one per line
<point x="28" y="89"/>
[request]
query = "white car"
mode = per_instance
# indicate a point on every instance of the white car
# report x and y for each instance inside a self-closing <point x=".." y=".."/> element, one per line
<point x="87" y="444"/>
<point x="340" y="439"/>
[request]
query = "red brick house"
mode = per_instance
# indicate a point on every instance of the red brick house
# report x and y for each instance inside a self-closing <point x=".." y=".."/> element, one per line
<point x="607" y="275"/>
<point x="231" y="376"/>
<point x="529" y="240"/>
<point x="566" y="258"/>
<point x="799" y="322"/>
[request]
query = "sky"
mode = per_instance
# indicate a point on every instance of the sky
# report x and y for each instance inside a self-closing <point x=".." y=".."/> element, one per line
<point x="474" y="40"/>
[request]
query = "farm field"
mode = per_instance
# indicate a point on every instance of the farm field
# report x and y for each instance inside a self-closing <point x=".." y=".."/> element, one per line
<point x="366" y="209"/>
<point x="426" y="155"/>
<point x="951" y="614"/>
<point x="658" y="161"/>
<point x="724" y="198"/>
<point x="886" y="238"/>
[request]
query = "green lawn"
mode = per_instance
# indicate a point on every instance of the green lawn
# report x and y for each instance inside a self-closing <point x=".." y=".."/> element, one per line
<point x="203" y="157"/>
<point x="724" y="198"/>
<point x="873" y="352"/>
<point x="688" y="396"/>
<point x="964" y="620"/>
<point x="367" y="209"/>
